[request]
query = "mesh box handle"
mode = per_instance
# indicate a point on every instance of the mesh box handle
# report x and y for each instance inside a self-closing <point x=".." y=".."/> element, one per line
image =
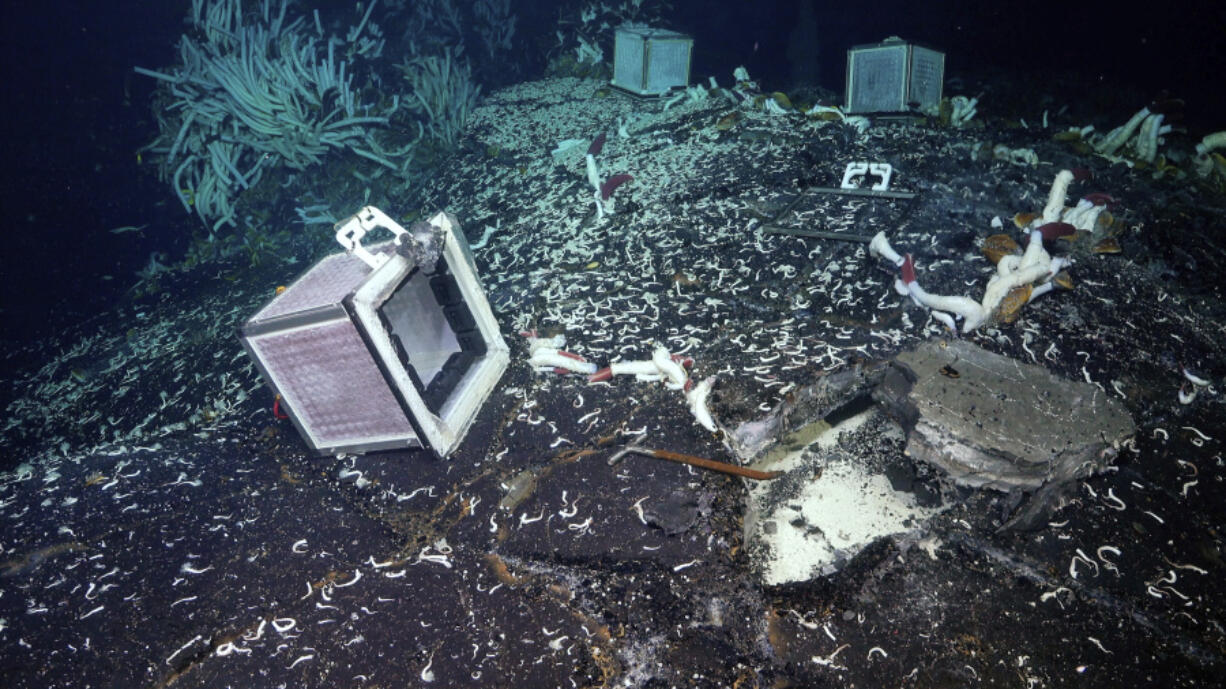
<point x="350" y="231"/>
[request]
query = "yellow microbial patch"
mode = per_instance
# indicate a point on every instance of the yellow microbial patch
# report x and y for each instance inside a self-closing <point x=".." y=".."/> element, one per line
<point x="1022" y="220"/>
<point x="1011" y="306"/>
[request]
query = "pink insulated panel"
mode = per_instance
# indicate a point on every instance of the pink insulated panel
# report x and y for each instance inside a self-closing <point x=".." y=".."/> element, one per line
<point x="333" y="385"/>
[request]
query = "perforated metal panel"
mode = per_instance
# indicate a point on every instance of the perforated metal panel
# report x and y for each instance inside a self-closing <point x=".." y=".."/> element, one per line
<point x="628" y="60"/>
<point x="377" y="352"/>
<point x="324" y="285"/>
<point x="927" y="76"/>
<point x="340" y="398"/>
<point x="650" y="62"/>
<point x="893" y="76"/>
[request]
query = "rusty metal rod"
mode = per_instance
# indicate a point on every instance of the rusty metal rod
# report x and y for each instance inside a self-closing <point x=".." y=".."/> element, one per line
<point x="838" y="236"/>
<point x="863" y="192"/>
<point x="722" y="467"/>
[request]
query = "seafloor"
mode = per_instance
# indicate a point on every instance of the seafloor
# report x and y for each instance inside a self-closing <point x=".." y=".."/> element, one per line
<point x="162" y="528"/>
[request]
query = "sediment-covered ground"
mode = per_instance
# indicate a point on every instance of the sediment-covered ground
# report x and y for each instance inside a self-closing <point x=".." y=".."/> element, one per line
<point x="163" y="528"/>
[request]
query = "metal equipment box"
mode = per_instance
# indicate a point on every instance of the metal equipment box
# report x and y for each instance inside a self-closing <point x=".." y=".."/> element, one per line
<point x="893" y="76"/>
<point x="391" y="346"/>
<point x="650" y="62"/>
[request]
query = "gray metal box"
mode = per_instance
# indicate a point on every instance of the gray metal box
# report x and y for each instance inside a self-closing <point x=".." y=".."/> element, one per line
<point x="649" y="62"/>
<point x="371" y="351"/>
<point x="893" y="76"/>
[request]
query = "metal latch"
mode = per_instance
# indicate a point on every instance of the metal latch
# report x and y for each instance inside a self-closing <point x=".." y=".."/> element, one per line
<point x="350" y="231"/>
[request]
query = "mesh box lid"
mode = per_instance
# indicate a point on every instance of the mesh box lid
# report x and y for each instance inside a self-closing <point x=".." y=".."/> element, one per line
<point x="324" y="285"/>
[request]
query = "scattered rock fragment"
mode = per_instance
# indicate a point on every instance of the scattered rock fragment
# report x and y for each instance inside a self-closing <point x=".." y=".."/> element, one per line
<point x="989" y="421"/>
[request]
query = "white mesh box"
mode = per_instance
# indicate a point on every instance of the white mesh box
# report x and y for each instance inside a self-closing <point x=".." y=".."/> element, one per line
<point x="649" y="62"/>
<point x="893" y="76"/>
<point x="393" y="346"/>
